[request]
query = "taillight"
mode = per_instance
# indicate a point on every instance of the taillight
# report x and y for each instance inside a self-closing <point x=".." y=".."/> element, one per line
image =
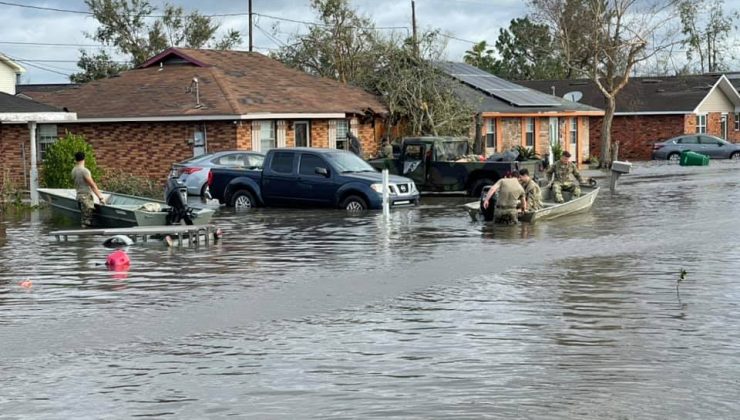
<point x="190" y="170"/>
<point x="210" y="178"/>
<point x="657" y="146"/>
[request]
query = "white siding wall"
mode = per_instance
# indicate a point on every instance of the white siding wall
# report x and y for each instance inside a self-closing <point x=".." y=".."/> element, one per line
<point x="7" y="79"/>
<point x="717" y="101"/>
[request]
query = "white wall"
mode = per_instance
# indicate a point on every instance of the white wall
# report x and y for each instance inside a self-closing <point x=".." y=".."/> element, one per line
<point x="7" y="79"/>
<point x="717" y="102"/>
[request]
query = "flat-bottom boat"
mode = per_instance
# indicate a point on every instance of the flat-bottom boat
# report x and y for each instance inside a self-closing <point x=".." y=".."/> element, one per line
<point x="120" y="210"/>
<point x="550" y="209"/>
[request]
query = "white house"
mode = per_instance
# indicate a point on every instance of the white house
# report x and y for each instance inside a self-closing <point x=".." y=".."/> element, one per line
<point x="10" y="73"/>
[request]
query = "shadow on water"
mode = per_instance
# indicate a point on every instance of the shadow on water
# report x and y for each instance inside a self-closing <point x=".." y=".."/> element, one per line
<point x="321" y="314"/>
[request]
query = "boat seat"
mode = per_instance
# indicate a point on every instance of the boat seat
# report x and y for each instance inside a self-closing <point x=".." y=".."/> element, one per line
<point x="151" y="207"/>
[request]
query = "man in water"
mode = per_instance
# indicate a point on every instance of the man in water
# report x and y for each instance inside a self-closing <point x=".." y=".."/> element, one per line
<point x="85" y="187"/>
<point x="510" y="196"/>
<point x="563" y="170"/>
<point x="532" y="191"/>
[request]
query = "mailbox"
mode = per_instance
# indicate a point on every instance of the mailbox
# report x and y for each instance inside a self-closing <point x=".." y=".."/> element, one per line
<point x="621" y="167"/>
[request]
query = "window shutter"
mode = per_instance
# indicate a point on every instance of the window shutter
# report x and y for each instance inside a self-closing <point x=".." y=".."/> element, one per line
<point x="332" y="134"/>
<point x="256" y="126"/>
<point x="281" y="133"/>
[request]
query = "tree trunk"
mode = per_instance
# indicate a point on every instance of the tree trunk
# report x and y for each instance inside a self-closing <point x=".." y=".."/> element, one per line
<point x="606" y="131"/>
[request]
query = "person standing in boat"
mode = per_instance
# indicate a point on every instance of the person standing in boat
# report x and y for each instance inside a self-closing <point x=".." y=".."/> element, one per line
<point x="532" y="191"/>
<point x="85" y="187"/>
<point x="510" y="196"/>
<point x="563" y="170"/>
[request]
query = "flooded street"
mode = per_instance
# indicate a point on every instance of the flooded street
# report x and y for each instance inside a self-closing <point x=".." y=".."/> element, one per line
<point x="317" y="314"/>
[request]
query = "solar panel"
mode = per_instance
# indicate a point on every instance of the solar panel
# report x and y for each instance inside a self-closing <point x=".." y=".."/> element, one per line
<point x="495" y="86"/>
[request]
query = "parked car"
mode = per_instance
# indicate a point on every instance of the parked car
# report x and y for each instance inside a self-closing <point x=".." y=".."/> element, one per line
<point x="194" y="171"/>
<point x="309" y="177"/>
<point x="711" y="146"/>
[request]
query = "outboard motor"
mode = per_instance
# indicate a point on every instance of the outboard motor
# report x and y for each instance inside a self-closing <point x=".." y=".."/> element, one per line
<point x="176" y="196"/>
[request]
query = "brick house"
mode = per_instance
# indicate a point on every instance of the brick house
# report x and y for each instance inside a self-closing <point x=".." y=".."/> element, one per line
<point x="653" y="109"/>
<point x="514" y="115"/>
<point x="18" y="155"/>
<point x="185" y="102"/>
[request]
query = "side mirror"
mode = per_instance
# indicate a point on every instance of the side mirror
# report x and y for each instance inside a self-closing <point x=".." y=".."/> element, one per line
<point x="322" y="171"/>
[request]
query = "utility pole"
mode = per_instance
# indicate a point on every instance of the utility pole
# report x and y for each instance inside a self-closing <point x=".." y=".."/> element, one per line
<point x="251" y="42"/>
<point x="413" y="27"/>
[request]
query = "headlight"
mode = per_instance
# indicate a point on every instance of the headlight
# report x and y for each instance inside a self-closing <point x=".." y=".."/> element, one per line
<point x="378" y="188"/>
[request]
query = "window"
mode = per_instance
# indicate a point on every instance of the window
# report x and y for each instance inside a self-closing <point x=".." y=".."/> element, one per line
<point x="530" y="132"/>
<point x="309" y="163"/>
<point x="701" y="123"/>
<point x="232" y="159"/>
<point x="46" y="135"/>
<point x="282" y="162"/>
<point x="255" y="161"/>
<point x="267" y="135"/>
<point x="688" y="140"/>
<point x="342" y="129"/>
<point x="737" y="121"/>
<point x="574" y="131"/>
<point x="491" y="133"/>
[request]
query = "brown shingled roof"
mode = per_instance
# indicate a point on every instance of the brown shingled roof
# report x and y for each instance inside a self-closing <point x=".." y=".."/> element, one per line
<point x="230" y="83"/>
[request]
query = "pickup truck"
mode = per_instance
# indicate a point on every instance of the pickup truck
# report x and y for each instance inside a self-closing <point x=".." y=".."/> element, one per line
<point x="309" y="177"/>
<point x="446" y="164"/>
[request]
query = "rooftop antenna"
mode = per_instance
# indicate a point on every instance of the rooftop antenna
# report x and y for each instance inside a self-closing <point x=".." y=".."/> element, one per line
<point x="161" y="66"/>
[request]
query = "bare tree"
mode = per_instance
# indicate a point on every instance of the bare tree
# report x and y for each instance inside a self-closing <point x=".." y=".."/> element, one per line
<point x="613" y="36"/>
<point x="710" y="41"/>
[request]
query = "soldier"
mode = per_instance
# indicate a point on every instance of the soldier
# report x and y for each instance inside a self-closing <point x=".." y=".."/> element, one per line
<point x="510" y="196"/>
<point x="532" y="191"/>
<point x="85" y="187"/>
<point x="563" y="170"/>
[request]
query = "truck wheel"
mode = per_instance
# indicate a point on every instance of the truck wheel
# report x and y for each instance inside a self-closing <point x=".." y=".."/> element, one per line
<point x="353" y="204"/>
<point x="243" y="200"/>
<point x="478" y="185"/>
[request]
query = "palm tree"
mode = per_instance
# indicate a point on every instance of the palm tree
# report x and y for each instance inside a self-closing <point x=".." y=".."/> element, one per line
<point x="480" y="56"/>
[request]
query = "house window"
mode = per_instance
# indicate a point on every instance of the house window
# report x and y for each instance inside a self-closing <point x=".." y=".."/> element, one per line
<point x="737" y="121"/>
<point x="267" y="135"/>
<point x="491" y="133"/>
<point x="46" y="135"/>
<point x="701" y="123"/>
<point x="530" y="132"/>
<point x="342" y="130"/>
<point x="574" y="131"/>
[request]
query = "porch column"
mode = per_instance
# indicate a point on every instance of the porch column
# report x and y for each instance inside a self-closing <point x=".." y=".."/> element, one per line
<point x="281" y="133"/>
<point x="332" y="134"/>
<point x="34" y="182"/>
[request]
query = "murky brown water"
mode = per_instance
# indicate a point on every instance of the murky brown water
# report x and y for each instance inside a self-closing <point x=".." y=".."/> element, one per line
<point x="314" y="314"/>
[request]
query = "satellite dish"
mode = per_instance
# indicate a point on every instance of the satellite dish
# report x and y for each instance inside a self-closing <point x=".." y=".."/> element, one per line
<point x="574" y="96"/>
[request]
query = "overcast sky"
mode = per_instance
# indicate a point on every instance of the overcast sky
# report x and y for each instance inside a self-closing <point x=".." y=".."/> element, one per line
<point x="462" y="20"/>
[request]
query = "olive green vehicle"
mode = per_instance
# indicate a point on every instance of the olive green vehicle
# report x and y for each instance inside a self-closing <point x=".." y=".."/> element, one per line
<point x="448" y="165"/>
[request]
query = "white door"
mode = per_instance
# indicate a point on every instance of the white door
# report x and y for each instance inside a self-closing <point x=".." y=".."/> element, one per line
<point x="723" y="122"/>
<point x="199" y="142"/>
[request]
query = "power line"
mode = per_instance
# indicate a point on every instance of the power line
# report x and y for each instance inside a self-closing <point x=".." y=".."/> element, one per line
<point x="50" y="44"/>
<point x="278" y="42"/>
<point x="305" y="22"/>
<point x="80" y="12"/>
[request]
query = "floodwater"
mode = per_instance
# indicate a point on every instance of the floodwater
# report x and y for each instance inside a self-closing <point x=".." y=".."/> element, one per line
<point x="316" y="314"/>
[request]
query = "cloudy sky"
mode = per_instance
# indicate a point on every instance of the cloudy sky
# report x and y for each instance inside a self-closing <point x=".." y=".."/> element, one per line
<point x="47" y="42"/>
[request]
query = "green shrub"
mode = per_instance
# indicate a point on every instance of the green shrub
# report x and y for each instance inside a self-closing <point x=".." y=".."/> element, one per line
<point x="10" y="193"/>
<point x="124" y="183"/>
<point x="557" y="151"/>
<point x="526" y="153"/>
<point x="59" y="160"/>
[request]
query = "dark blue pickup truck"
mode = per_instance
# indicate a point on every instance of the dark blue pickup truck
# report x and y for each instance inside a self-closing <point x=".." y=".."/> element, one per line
<point x="309" y="177"/>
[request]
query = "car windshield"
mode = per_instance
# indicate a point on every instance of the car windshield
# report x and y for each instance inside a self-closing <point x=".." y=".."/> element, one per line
<point x="349" y="162"/>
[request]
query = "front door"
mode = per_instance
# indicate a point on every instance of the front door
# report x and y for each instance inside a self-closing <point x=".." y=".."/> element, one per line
<point x="554" y="135"/>
<point x="301" y="134"/>
<point x="199" y="142"/>
<point x="723" y="125"/>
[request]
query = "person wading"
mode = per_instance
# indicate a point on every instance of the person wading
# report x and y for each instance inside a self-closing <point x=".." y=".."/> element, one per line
<point x="510" y="195"/>
<point x="85" y="187"/>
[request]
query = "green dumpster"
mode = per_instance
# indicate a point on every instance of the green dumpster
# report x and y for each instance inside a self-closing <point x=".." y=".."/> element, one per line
<point x="689" y="158"/>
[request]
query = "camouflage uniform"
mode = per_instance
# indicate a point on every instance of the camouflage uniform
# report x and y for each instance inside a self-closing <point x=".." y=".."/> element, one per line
<point x="87" y="206"/>
<point x="534" y="195"/>
<point x="562" y="180"/>
<point x="509" y="193"/>
<point x="386" y="151"/>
